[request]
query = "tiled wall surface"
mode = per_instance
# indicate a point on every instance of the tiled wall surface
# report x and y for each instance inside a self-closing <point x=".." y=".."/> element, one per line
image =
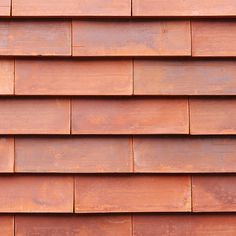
<point x="117" y="118"/>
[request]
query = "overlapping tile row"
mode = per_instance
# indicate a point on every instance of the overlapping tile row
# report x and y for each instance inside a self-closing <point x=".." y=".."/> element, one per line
<point x="117" y="118"/>
<point x="99" y="38"/>
<point x="117" y="154"/>
<point x="145" y="224"/>
<point x="117" y="193"/>
<point x="116" y="115"/>
<point x="91" y="8"/>
<point x="121" y="77"/>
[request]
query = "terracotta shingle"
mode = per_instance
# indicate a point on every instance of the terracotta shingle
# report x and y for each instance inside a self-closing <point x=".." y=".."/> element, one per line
<point x="135" y="38"/>
<point x="184" y="77"/>
<point x="36" y="194"/>
<point x="184" y="154"/>
<point x="130" y="116"/>
<point x="5" y="7"/>
<point x="70" y="77"/>
<point x="91" y="225"/>
<point x="35" y="38"/>
<point x="34" y="116"/>
<point x="79" y="154"/>
<point x="213" y="116"/>
<point x="173" y="8"/>
<point x="214" y="193"/>
<point x="6" y="155"/>
<point x="6" y="77"/>
<point x="185" y="225"/>
<point x="71" y="8"/>
<point x="6" y="225"/>
<point x="132" y="194"/>
<point x="214" y="38"/>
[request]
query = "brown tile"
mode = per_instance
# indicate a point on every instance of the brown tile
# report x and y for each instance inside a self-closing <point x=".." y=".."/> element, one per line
<point x="184" y="154"/>
<point x="214" y="38"/>
<point x="185" y="225"/>
<point x="132" y="194"/>
<point x="6" y="77"/>
<point x="214" y="193"/>
<point x="185" y="77"/>
<point x="36" y="194"/>
<point x="80" y="154"/>
<point x="84" y="225"/>
<point x="35" y="38"/>
<point x="184" y="8"/>
<point x="71" y="8"/>
<point x="5" y="7"/>
<point x="213" y="116"/>
<point x="135" y="38"/>
<point x="74" y="77"/>
<point x="130" y="116"/>
<point x="34" y="116"/>
<point x="6" y="155"/>
<point x="6" y="225"/>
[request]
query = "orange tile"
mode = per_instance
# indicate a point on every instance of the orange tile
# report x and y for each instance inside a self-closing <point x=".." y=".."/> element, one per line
<point x="184" y="8"/>
<point x="6" y="225"/>
<point x="61" y="225"/>
<point x="184" y="77"/>
<point x="214" y="193"/>
<point x="71" y="8"/>
<point x="214" y="38"/>
<point x="5" y="7"/>
<point x="185" y="225"/>
<point x="213" y="116"/>
<point x="6" y="77"/>
<point x="34" y="116"/>
<point x="184" y="154"/>
<point x="130" y="116"/>
<point x="80" y="154"/>
<point x="36" y="194"/>
<point x="132" y="194"/>
<point x="6" y="155"/>
<point x="70" y="77"/>
<point x="131" y="38"/>
<point x="35" y="38"/>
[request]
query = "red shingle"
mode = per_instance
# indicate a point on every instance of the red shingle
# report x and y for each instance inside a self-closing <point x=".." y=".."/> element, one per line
<point x="214" y="193"/>
<point x="132" y="194"/>
<point x="6" y="225"/>
<point x="214" y="38"/>
<point x="173" y="8"/>
<point x="135" y="38"/>
<point x="34" y="116"/>
<point x="90" y="225"/>
<point x="35" y="38"/>
<point x="6" y="77"/>
<point x="184" y="77"/>
<point x="185" y="225"/>
<point x="36" y="194"/>
<point x="213" y="116"/>
<point x="80" y="154"/>
<point x="6" y="155"/>
<point x="184" y="154"/>
<point x="71" y="8"/>
<point x="70" y="77"/>
<point x="130" y="116"/>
